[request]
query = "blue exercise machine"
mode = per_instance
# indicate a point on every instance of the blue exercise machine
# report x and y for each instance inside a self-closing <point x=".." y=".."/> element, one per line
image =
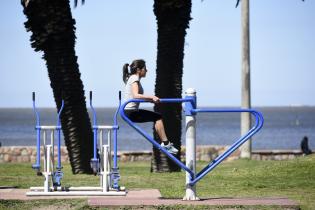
<point x="191" y="111"/>
<point x="103" y="158"/>
<point x="55" y="173"/>
<point x="114" y="175"/>
<point x="100" y="163"/>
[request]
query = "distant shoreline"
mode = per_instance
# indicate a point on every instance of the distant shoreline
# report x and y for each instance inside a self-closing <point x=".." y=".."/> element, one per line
<point x="115" y="107"/>
<point x="284" y="128"/>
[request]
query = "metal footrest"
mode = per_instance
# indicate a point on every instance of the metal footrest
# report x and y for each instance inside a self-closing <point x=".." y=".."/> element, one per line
<point x="74" y="191"/>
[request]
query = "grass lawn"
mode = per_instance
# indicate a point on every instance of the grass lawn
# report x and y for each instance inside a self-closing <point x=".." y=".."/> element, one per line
<point x="294" y="179"/>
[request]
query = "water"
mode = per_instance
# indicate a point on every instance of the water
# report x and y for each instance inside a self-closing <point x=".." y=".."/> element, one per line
<point x="283" y="129"/>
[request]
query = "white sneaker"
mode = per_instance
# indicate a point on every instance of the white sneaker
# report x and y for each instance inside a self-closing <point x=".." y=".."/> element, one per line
<point x="170" y="148"/>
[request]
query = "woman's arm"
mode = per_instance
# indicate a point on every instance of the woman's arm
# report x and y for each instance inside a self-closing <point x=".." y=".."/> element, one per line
<point x="137" y="95"/>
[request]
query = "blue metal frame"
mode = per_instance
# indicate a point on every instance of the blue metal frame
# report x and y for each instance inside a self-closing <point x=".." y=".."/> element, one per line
<point x="59" y="135"/>
<point x="36" y="166"/>
<point x="58" y="174"/>
<point x="190" y="109"/>
<point x="259" y="121"/>
<point x="115" y="169"/>
<point x="148" y="137"/>
<point x="94" y="161"/>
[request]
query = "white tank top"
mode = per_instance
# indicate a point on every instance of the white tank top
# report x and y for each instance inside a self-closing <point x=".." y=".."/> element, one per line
<point x="128" y="91"/>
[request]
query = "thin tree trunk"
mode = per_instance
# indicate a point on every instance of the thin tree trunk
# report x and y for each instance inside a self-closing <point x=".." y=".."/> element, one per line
<point x="172" y="21"/>
<point x="246" y="100"/>
<point x="53" y="33"/>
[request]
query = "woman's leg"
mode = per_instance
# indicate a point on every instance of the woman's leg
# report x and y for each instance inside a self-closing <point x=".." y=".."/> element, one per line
<point x="159" y="127"/>
<point x="142" y="115"/>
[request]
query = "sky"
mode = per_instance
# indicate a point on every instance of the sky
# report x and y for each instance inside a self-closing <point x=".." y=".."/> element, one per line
<point x="112" y="33"/>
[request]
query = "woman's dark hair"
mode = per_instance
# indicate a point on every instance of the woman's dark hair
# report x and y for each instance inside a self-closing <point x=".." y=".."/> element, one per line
<point x="134" y="66"/>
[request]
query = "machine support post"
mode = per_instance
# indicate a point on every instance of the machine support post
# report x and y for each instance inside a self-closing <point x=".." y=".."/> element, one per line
<point x="190" y="143"/>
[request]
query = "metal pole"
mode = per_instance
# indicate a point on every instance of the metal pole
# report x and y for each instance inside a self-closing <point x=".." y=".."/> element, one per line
<point x="115" y="171"/>
<point x="105" y="171"/>
<point x="45" y="150"/>
<point x="101" y="149"/>
<point x="109" y="141"/>
<point x="37" y="164"/>
<point x="246" y="100"/>
<point x="190" y="145"/>
<point x="58" y="128"/>
<point x="47" y="171"/>
<point x="52" y="142"/>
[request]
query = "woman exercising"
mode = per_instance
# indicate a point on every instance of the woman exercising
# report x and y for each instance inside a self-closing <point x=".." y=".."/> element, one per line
<point x="132" y="75"/>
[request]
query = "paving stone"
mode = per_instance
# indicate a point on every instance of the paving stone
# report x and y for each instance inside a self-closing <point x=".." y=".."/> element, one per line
<point x="152" y="197"/>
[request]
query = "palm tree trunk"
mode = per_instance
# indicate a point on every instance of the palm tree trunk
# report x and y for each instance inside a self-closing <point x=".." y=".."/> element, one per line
<point x="53" y="33"/>
<point x="172" y="21"/>
<point x="245" y="117"/>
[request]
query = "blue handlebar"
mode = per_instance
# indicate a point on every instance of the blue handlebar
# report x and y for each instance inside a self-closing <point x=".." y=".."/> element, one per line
<point x="93" y="110"/>
<point x="59" y="113"/>
<point x="94" y="132"/>
<point x="36" y="166"/>
<point x="59" y="167"/>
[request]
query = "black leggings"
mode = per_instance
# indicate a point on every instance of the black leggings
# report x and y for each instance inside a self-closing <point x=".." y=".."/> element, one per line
<point x="142" y="115"/>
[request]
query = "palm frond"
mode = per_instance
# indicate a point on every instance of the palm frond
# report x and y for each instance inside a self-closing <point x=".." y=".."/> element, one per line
<point x="76" y="2"/>
<point x="237" y="3"/>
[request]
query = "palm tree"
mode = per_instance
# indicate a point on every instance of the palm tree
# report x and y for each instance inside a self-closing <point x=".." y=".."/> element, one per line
<point x="173" y="18"/>
<point x="53" y="33"/>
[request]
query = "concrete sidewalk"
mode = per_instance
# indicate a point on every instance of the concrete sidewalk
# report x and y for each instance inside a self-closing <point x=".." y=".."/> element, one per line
<point x="152" y="197"/>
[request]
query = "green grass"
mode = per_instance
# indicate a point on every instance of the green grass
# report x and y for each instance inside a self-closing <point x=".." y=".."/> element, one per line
<point x="294" y="179"/>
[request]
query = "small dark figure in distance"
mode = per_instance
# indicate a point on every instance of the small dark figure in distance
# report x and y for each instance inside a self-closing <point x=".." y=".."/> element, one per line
<point x="304" y="146"/>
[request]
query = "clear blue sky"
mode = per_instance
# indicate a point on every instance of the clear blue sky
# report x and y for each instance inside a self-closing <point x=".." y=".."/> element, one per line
<point x="111" y="33"/>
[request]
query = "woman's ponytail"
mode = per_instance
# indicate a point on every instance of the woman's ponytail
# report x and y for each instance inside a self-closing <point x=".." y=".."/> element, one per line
<point x="134" y="66"/>
<point x="125" y="73"/>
